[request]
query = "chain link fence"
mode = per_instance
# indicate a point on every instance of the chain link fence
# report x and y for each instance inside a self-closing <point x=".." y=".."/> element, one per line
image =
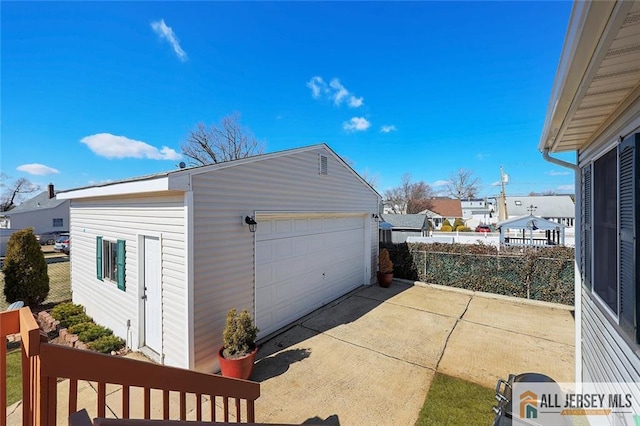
<point x="539" y="274"/>
<point x="59" y="282"/>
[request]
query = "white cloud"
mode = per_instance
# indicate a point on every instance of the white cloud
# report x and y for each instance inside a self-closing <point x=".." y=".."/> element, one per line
<point x="480" y="156"/>
<point x="112" y="146"/>
<point x="333" y="91"/>
<point x="317" y="86"/>
<point x="440" y="183"/>
<point x="339" y="92"/>
<point x="37" y="169"/>
<point x="388" y="129"/>
<point x="356" y="124"/>
<point x="496" y="183"/>
<point x="355" y="102"/>
<point x="566" y="188"/>
<point x="164" y="31"/>
<point x="558" y="173"/>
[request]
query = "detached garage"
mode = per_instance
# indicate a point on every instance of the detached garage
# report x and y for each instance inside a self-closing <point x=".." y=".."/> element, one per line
<point x="161" y="259"/>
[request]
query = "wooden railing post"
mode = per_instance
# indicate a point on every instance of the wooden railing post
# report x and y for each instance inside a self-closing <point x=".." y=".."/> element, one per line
<point x="9" y="324"/>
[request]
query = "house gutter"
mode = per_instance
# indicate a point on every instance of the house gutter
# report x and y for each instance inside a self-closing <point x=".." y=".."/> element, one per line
<point x="558" y="162"/>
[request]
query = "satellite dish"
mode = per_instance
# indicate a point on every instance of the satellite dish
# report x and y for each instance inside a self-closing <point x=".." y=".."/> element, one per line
<point x="182" y="165"/>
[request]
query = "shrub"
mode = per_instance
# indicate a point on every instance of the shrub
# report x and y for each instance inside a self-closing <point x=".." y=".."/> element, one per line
<point x="446" y="223"/>
<point x="89" y="331"/>
<point x="25" y="270"/>
<point x="463" y="228"/>
<point x="106" y="344"/>
<point x="239" y="334"/>
<point x="446" y="228"/>
<point x="75" y="319"/>
<point x="80" y="327"/>
<point x="457" y="223"/>
<point x="93" y="333"/>
<point x="385" y="265"/>
<point x="66" y="310"/>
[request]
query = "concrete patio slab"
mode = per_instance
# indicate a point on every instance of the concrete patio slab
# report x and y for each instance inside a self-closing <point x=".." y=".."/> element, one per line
<point x="337" y="382"/>
<point x="524" y="317"/>
<point x="483" y="354"/>
<point x="407" y="334"/>
<point x="447" y="302"/>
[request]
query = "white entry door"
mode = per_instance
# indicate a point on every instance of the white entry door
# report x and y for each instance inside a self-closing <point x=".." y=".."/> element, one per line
<point x="152" y="295"/>
<point x="304" y="262"/>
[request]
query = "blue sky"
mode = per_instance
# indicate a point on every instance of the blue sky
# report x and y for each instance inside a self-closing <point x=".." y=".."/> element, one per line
<point x="99" y="91"/>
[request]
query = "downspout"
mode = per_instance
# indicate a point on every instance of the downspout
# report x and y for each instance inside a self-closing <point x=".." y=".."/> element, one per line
<point x="577" y="292"/>
<point x="558" y="162"/>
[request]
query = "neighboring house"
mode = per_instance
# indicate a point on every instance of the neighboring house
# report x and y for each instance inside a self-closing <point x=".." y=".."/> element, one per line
<point x="557" y="208"/>
<point x="594" y="110"/>
<point x="43" y="213"/>
<point x="389" y="208"/>
<point x="441" y="209"/>
<point x="476" y="211"/>
<point x="405" y="225"/>
<point x="161" y="259"/>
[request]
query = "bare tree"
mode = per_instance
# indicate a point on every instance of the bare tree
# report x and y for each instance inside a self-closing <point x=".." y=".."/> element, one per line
<point x="371" y="178"/>
<point x="14" y="191"/>
<point x="409" y="197"/>
<point x="225" y="141"/>
<point x="463" y="184"/>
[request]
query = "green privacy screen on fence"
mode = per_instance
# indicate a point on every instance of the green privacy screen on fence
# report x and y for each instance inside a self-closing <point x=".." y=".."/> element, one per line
<point x="545" y="274"/>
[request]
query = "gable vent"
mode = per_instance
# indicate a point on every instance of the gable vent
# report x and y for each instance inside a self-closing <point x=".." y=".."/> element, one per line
<point x="322" y="164"/>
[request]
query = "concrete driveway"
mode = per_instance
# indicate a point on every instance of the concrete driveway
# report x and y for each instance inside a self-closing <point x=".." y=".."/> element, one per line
<point x="369" y="357"/>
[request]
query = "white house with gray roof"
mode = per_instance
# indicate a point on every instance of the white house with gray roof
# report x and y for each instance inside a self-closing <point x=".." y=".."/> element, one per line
<point x="556" y="208"/>
<point x="161" y="259"/>
<point x="43" y="213"/>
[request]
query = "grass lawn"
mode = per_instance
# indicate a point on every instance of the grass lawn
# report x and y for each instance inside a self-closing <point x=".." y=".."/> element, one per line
<point x="14" y="376"/>
<point x="453" y="401"/>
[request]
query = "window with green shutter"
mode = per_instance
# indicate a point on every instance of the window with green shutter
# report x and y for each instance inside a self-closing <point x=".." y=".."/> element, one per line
<point x="111" y="261"/>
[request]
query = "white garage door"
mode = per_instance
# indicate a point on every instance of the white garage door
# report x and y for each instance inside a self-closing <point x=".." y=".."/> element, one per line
<point x="303" y="263"/>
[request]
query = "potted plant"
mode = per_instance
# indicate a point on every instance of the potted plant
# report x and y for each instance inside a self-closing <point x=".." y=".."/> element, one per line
<point x="385" y="268"/>
<point x="238" y="354"/>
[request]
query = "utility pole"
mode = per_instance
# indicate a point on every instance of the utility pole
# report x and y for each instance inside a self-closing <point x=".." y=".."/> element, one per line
<point x="502" y="213"/>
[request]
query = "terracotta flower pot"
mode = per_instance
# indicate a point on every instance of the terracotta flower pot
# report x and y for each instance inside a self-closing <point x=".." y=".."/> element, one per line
<point x="384" y="280"/>
<point x="238" y="368"/>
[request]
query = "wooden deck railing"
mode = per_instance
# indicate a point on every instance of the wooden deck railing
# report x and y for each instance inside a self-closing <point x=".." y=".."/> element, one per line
<point x="43" y="365"/>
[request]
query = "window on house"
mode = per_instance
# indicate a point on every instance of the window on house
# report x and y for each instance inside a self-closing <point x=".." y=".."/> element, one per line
<point x="518" y="203"/>
<point x="58" y="222"/>
<point x="110" y="261"/>
<point x="610" y="252"/>
<point x="605" y="229"/>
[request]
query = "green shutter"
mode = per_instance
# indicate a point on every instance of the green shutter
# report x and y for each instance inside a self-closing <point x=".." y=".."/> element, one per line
<point x="121" y="264"/>
<point x="99" y="258"/>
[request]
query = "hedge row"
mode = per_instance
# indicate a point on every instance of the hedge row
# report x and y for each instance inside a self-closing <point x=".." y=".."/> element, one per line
<point x="545" y="274"/>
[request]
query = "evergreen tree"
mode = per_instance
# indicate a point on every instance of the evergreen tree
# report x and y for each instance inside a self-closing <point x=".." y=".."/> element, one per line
<point x="25" y="270"/>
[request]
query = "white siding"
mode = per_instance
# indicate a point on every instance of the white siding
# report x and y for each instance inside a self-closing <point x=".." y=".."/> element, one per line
<point x="223" y="247"/>
<point x="128" y="218"/>
<point x="606" y="357"/>
<point x="40" y="220"/>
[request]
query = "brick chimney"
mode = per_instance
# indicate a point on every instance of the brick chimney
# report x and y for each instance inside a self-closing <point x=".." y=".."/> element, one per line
<point x="52" y="193"/>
